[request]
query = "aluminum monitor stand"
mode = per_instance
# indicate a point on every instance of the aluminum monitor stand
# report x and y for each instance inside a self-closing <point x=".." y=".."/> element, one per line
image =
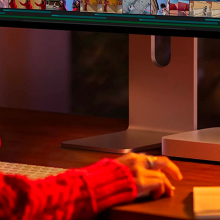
<point x="162" y="101"/>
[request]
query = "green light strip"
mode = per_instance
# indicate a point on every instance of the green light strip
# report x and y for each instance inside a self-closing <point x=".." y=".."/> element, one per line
<point x="25" y="10"/>
<point x="183" y="22"/>
<point x="77" y="16"/>
<point x="108" y="21"/>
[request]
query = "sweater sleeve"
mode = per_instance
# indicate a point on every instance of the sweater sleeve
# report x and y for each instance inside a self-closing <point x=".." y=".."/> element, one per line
<point x="74" y="194"/>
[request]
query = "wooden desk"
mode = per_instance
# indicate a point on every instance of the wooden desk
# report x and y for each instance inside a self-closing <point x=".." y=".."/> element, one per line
<point x="34" y="138"/>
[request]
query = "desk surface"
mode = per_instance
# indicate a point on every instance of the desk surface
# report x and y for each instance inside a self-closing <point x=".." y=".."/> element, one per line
<point x="34" y="138"/>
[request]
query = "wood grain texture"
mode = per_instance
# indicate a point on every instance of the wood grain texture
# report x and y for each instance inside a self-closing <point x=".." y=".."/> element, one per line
<point x="34" y="137"/>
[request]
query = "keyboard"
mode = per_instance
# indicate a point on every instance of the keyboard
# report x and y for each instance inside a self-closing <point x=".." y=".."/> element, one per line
<point x="31" y="171"/>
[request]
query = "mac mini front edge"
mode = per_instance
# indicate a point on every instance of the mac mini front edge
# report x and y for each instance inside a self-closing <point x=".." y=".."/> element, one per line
<point x="201" y="144"/>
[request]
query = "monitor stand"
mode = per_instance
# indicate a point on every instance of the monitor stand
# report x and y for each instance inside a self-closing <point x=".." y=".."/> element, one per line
<point x="162" y="101"/>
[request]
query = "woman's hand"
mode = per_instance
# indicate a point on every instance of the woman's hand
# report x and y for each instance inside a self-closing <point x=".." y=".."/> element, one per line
<point x="152" y="181"/>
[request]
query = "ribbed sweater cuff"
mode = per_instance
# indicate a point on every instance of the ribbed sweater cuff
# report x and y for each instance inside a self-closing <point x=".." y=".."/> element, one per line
<point x="110" y="183"/>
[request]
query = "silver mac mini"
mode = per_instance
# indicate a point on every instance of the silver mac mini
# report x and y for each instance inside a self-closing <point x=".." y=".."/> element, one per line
<point x="200" y="144"/>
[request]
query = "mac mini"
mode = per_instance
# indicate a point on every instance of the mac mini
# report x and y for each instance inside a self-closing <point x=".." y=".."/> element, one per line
<point x="201" y="144"/>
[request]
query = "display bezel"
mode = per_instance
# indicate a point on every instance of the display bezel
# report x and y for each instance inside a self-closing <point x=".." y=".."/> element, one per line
<point x="111" y="29"/>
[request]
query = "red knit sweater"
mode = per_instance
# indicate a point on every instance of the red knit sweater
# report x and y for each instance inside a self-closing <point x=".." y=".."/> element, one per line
<point x="75" y="194"/>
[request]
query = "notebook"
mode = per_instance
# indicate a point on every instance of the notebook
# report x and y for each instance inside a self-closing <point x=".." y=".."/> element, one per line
<point x="206" y="202"/>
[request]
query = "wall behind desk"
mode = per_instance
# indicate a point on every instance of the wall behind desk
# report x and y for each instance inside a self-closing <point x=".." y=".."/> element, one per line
<point x="86" y="73"/>
<point x="35" y="69"/>
<point x="209" y="83"/>
<point x="63" y="71"/>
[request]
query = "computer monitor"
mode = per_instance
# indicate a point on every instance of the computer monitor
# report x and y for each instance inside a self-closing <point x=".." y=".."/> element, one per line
<point x="162" y="98"/>
<point x="159" y="17"/>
